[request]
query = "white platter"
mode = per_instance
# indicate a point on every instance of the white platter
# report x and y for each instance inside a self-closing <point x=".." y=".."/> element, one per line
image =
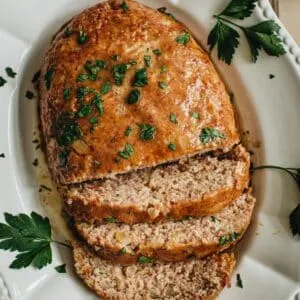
<point x="268" y="257"/>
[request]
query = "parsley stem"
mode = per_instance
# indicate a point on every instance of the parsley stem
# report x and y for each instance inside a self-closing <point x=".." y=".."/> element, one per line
<point x="228" y="21"/>
<point x="62" y="244"/>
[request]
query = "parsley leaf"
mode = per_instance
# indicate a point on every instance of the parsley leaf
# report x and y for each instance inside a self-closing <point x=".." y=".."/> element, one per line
<point x="124" y="6"/>
<point x="68" y="32"/>
<point x="239" y="281"/>
<point x="163" y="68"/>
<point x="140" y="78"/>
<point x="67" y="93"/>
<point x="36" y="77"/>
<point x="162" y="85"/>
<point x="61" y="269"/>
<point x="147" y="59"/>
<point x="227" y="239"/>
<point x="119" y="72"/>
<point x="48" y="77"/>
<point x="10" y="72"/>
<point x="183" y="39"/>
<point x="29" y="95"/>
<point x="82" y="77"/>
<point x="133" y="97"/>
<point x="209" y="134"/>
<point x="105" y="88"/>
<point x="196" y="115"/>
<point x="173" y="118"/>
<point x="264" y="36"/>
<point x="85" y="110"/>
<point x="147" y="132"/>
<point x="128" y="131"/>
<point x="145" y="259"/>
<point x="97" y="101"/>
<point x="2" y="81"/>
<point x="127" y="152"/>
<point x="63" y="158"/>
<point x="82" y="37"/>
<point x="226" y="40"/>
<point x="172" y="146"/>
<point x="157" y="52"/>
<point x="239" y="9"/>
<point x="123" y="251"/>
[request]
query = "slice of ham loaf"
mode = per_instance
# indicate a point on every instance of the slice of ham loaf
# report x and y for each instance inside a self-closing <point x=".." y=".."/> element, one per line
<point x="193" y="279"/>
<point x="171" y="240"/>
<point x="197" y="186"/>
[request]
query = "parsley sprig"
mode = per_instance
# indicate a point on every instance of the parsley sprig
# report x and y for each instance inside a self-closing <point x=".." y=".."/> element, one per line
<point x="262" y="36"/>
<point x="30" y="236"/>
<point x="295" y="214"/>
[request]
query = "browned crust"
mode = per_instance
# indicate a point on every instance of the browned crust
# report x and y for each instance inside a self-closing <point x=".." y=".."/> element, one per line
<point x="90" y="211"/>
<point x="226" y="263"/>
<point x="104" y="23"/>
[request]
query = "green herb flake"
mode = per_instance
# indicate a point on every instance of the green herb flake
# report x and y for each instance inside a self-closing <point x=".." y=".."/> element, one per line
<point x="82" y="91"/>
<point x="82" y="77"/>
<point x="162" y="85"/>
<point x="196" y="115"/>
<point x="105" y="88"/>
<point x="61" y="269"/>
<point x="30" y="235"/>
<point x="124" y="6"/>
<point x="128" y="131"/>
<point x="97" y="101"/>
<point x="271" y="76"/>
<point x="147" y="59"/>
<point x="209" y="134"/>
<point x="48" y="77"/>
<point x="2" y="81"/>
<point x="132" y="62"/>
<point x="173" y="118"/>
<point x="101" y="64"/>
<point x="183" y="39"/>
<point x="123" y="251"/>
<point x="110" y="220"/>
<point x="157" y="52"/>
<point x="213" y="218"/>
<point x="239" y="281"/>
<point x="163" y="68"/>
<point x="228" y="239"/>
<point x="140" y="78"/>
<point x="29" y="95"/>
<point x="68" y="32"/>
<point x="145" y="260"/>
<point x="94" y="121"/>
<point x="147" y="132"/>
<point x="119" y="72"/>
<point x="67" y="93"/>
<point x="84" y="111"/>
<point x="63" y="158"/>
<point x="67" y="129"/>
<point x="82" y="37"/>
<point x="127" y="152"/>
<point x="36" y="77"/>
<point x="2" y="155"/>
<point x="172" y="146"/>
<point x="133" y="97"/>
<point x="10" y="72"/>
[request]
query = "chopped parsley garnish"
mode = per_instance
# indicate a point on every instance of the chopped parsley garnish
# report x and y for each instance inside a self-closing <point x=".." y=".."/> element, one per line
<point x="133" y="97"/>
<point x="239" y="281"/>
<point x="35" y="163"/>
<point x="209" y="134"/>
<point x="68" y="32"/>
<point x="94" y="68"/>
<point x="84" y="111"/>
<point x="196" y="115"/>
<point x="163" y="69"/>
<point x="97" y="101"/>
<point x="48" y="77"/>
<point x="172" y="146"/>
<point x="127" y="152"/>
<point x="162" y="85"/>
<point x="10" y="72"/>
<point x="119" y="72"/>
<point x="63" y="158"/>
<point x="82" y="77"/>
<point x="157" y="52"/>
<point x="140" y="78"/>
<point x="67" y="129"/>
<point x="2" y="81"/>
<point x="147" y="132"/>
<point x="100" y="64"/>
<point x="29" y="95"/>
<point x="227" y="239"/>
<point x="132" y="62"/>
<point x="61" y="269"/>
<point x="115" y="57"/>
<point x="110" y="220"/>
<point x="82" y="37"/>
<point x="147" y="59"/>
<point x="30" y="235"/>
<point x="2" y="155"/>
<point x="271" y="76"/>
<point x="94" y="121"/>
<point x="67" y="93"/>
<point x="128" y="131"/>
<point x="183" y="39"/>
<point x="124" y="6"/>
<point x="145" y="259"/>
<point x="163" y="10"/>
<point x="36" y="77"/>
<point x="173" y="118"/>
<point x="105" y="88"/>
<point x="123" y="251"/>
<point x="83" y="91"/>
